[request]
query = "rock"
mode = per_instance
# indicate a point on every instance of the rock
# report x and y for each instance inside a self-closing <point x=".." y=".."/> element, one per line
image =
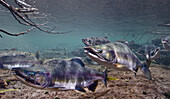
<point x="3" y="84"/>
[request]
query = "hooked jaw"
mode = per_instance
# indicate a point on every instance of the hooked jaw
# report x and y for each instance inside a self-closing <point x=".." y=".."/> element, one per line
<point x="85" y="42"/>
<point x="93" y="54"/>
<point x="97" y="55"/>
<point x="166" y="44"/>
<point x="154" y="54"/>
<point x="38" y="81"/>
<point x="164" y="41"/>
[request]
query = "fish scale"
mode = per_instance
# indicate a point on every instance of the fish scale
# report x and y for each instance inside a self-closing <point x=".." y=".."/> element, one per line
<point x="124" y="55"/>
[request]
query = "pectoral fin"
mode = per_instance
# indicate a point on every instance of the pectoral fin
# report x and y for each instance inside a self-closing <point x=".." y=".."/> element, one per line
<point x="120" y="66"/>
<point x="80" y="89"/>
<point x="93" y="86"/>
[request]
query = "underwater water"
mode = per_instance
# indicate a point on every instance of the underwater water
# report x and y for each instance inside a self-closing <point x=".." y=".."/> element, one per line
<point x="116" y="19"/>
<point x="54" y="66"/>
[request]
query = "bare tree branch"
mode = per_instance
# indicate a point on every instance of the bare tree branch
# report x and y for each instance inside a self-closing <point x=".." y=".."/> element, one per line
<point x="17" y="34"/>
<point x="166" y="25"/>
<point x="22" y="15"/>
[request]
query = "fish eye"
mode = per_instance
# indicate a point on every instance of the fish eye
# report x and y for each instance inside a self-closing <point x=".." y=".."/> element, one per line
<point x="31" y="74"/>
<point x="89" y="41"/>
<point x="165" y="40"/>
<point x="152" y="53"/>
<point x="99" y="50"/>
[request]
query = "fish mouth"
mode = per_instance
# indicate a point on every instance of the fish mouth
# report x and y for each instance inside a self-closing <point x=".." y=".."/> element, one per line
<point x="30" y="81"/>
<point x="85" y="42"/>
<point x="166" y="44"/>
<point x="155" y="54"/>
<point x="94" y="54"/>
<point x="165" y="41"/>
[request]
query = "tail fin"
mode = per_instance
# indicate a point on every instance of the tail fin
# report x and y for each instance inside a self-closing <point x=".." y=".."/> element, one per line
<point x="146" y="71"/>
<point x="152" y="53"/>
<point x="105" y="78"/>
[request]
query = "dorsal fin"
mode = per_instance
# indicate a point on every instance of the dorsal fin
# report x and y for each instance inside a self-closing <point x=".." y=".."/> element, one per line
<point x="78" y="60"/>
<point x="105" y="37"/>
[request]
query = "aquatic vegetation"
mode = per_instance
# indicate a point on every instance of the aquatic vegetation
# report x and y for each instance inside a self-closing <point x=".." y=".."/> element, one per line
<point x="112" y="78"/>
<point x="1" y="91"/>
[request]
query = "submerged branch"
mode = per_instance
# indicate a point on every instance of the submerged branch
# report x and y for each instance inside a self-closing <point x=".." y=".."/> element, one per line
<point x="17" y="34"/>
<point x="159" y="32"/>
<point x="22" y="15"/>
<point x="166" y="25"/>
